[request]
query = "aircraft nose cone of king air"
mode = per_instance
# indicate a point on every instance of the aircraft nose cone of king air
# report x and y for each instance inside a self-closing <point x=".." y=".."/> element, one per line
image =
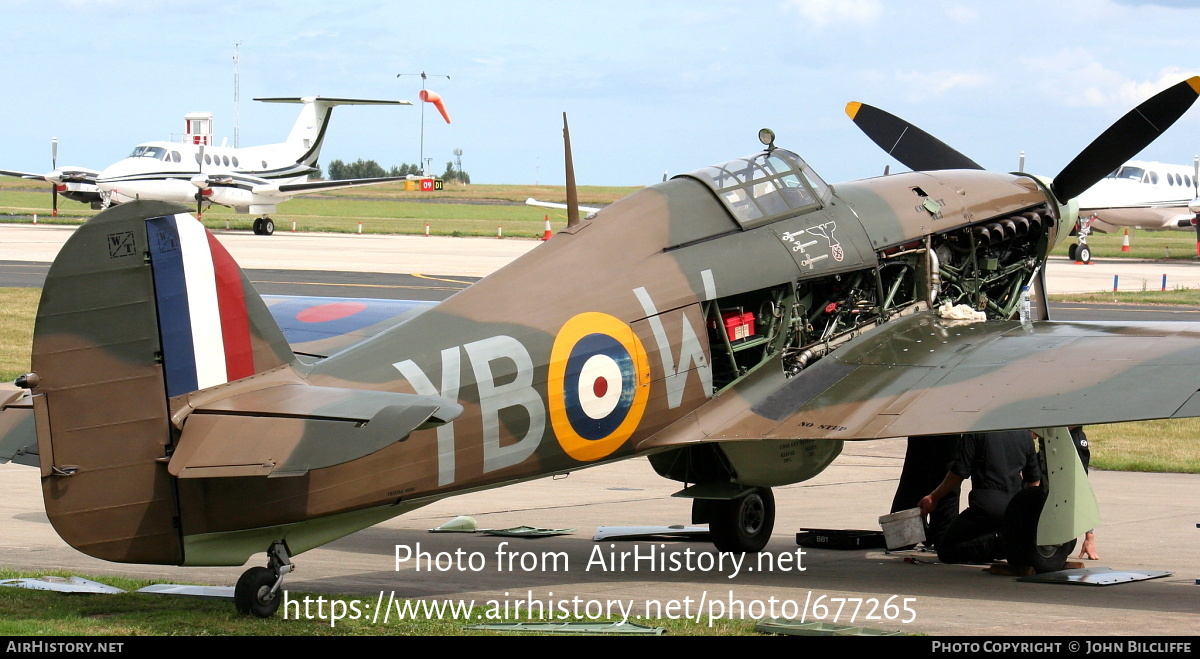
<point x="145" y="177"/>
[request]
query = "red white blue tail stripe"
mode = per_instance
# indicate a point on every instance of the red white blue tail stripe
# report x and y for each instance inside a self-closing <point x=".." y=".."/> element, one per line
<point x="202" y="318"/>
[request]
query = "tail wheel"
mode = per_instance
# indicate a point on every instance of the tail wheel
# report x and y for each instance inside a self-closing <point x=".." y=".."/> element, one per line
<point x="1020" y="534"/>
<point x="743" y="524"/>
<point x="252" y="595"/>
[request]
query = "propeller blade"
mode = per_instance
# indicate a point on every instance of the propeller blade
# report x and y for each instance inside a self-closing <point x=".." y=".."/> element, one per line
<point x="200" y="191"/>
<point x="1125" y="138"/>
<point x="913" y="147"/>
<point x="54" y="184"/>
<point x="572" y="192"/>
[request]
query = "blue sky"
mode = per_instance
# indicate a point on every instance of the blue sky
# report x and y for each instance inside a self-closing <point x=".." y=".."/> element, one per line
<point x="650" y="88"/>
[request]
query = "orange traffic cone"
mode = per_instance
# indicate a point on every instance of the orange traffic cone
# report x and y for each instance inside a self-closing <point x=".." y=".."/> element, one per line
<point x="549" y="232"/>
<point x="1125" y="242"/>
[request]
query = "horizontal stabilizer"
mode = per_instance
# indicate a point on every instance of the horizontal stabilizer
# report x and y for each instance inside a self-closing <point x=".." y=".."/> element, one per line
<point x="330" y="101"/>
<point x="291" y="429"/>
<point x="18" y="437"/>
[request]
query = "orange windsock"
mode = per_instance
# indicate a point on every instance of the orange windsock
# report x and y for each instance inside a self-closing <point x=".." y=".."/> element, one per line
<point x="433" y="97"/>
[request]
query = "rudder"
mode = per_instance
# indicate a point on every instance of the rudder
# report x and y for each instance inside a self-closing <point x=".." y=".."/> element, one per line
<point x="141" y="307"/>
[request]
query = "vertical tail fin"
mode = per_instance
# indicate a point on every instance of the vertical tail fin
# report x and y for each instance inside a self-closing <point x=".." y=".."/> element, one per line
<point x="308" y="133"/>
<point x="141" y="307"/>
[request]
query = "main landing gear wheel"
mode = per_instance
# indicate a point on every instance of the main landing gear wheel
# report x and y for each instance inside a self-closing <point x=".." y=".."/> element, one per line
<point x="264" y="226"/>
<point x="1071" y="251"/>
<point x="1020" y="534"/>
<point x="743" y="524"/>
<point x="253" y="595"/>
<point x="257" y="591"/>
<point x="1083" y="254"/>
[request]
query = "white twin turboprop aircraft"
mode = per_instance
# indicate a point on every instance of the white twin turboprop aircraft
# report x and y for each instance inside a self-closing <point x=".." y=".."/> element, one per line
<point x="249" y="179"/>
<point x="1145" y="195"/>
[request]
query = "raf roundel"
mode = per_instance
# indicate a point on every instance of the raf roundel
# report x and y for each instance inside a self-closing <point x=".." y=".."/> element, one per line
<point x="598" y="385"/>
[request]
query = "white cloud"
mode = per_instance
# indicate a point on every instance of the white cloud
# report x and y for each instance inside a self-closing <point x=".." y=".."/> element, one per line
<point x="1081" y="81"/>
<point x="927" y="83"/>
<point x="824" y="12"/>
<point x="961" y="14"/>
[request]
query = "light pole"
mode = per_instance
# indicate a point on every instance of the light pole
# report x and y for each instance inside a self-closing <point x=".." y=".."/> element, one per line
<point x="424" y="76"/>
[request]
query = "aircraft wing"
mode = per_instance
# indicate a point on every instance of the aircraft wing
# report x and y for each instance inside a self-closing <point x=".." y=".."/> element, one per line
<point x="65" y="174"/>
<point x="311" y="186"/>
<point x="921" y="375"/>
<point x="27" y="175"/>
<point x="321" y="326"/>
<point x="550" y="204"/>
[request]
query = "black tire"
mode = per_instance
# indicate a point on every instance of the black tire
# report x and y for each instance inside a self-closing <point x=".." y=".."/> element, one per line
<point x="268" y="226"/>
<point x="1020" y="534"/>
<point x="252" y="593"/>
<point x="1071" y="251"/>
<point x="743" y="524"/>
<point x="1083" y="254"/>
<point x="258" y="227"/>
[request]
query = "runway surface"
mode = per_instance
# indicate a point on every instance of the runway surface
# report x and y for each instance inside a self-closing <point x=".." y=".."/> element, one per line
<point x="1149" y="520"/>
<point x="399" y="286"/>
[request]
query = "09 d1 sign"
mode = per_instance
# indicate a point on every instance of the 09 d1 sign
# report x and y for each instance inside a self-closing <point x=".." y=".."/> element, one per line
<point x="598" y="385"/>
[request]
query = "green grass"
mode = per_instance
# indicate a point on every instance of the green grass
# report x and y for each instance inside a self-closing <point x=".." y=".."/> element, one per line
<point x="474" y="210"/>
<point x="1164" y="445"/>
<point x="1143" y="244"/>
<point x="16" y="330"/>
<point x="1177" y="297"/>
<point x="43" y="613"/>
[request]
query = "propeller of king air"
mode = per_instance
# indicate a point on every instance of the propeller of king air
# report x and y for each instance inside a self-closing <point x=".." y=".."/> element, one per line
<point x="920" y="151"/>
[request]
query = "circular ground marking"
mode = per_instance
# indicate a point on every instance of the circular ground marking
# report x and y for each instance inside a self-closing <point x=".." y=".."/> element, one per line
<point x="323" y="313"/>
<point x="598" y="385"/>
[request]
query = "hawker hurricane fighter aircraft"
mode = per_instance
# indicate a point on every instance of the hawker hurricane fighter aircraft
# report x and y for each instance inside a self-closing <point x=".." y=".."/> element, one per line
<point x="248" y="179"/>
<point x="759" y="319"/>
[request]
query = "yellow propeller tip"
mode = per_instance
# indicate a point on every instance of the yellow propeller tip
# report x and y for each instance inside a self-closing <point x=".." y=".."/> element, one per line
<point x="853" y="106"/>
<point x="1194" y="83"/>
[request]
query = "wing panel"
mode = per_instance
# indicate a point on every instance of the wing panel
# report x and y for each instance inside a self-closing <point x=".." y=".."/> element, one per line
<point x="921" y="375"/>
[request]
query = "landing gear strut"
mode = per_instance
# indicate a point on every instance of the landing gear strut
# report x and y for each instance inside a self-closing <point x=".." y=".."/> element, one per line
<point x="264" y="226"/>
<point x="257" y="591"/>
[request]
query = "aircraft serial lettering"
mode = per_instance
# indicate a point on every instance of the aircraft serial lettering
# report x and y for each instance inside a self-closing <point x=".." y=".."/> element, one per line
<point x="520" y="391"/>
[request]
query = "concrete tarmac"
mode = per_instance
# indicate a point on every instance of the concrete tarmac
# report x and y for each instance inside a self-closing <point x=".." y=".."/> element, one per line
<point x="1149" y="523"/>
<point x="478" y="257"/>
<point x="1149" y="520"/>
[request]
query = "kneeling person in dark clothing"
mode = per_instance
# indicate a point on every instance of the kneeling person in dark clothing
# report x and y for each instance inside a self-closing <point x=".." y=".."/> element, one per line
<point x="997" y="463"/>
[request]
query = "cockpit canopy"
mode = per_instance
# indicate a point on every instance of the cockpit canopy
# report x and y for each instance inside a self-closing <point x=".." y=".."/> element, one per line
<point x="156" y="152"/>
<point x="765" y="187"/>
